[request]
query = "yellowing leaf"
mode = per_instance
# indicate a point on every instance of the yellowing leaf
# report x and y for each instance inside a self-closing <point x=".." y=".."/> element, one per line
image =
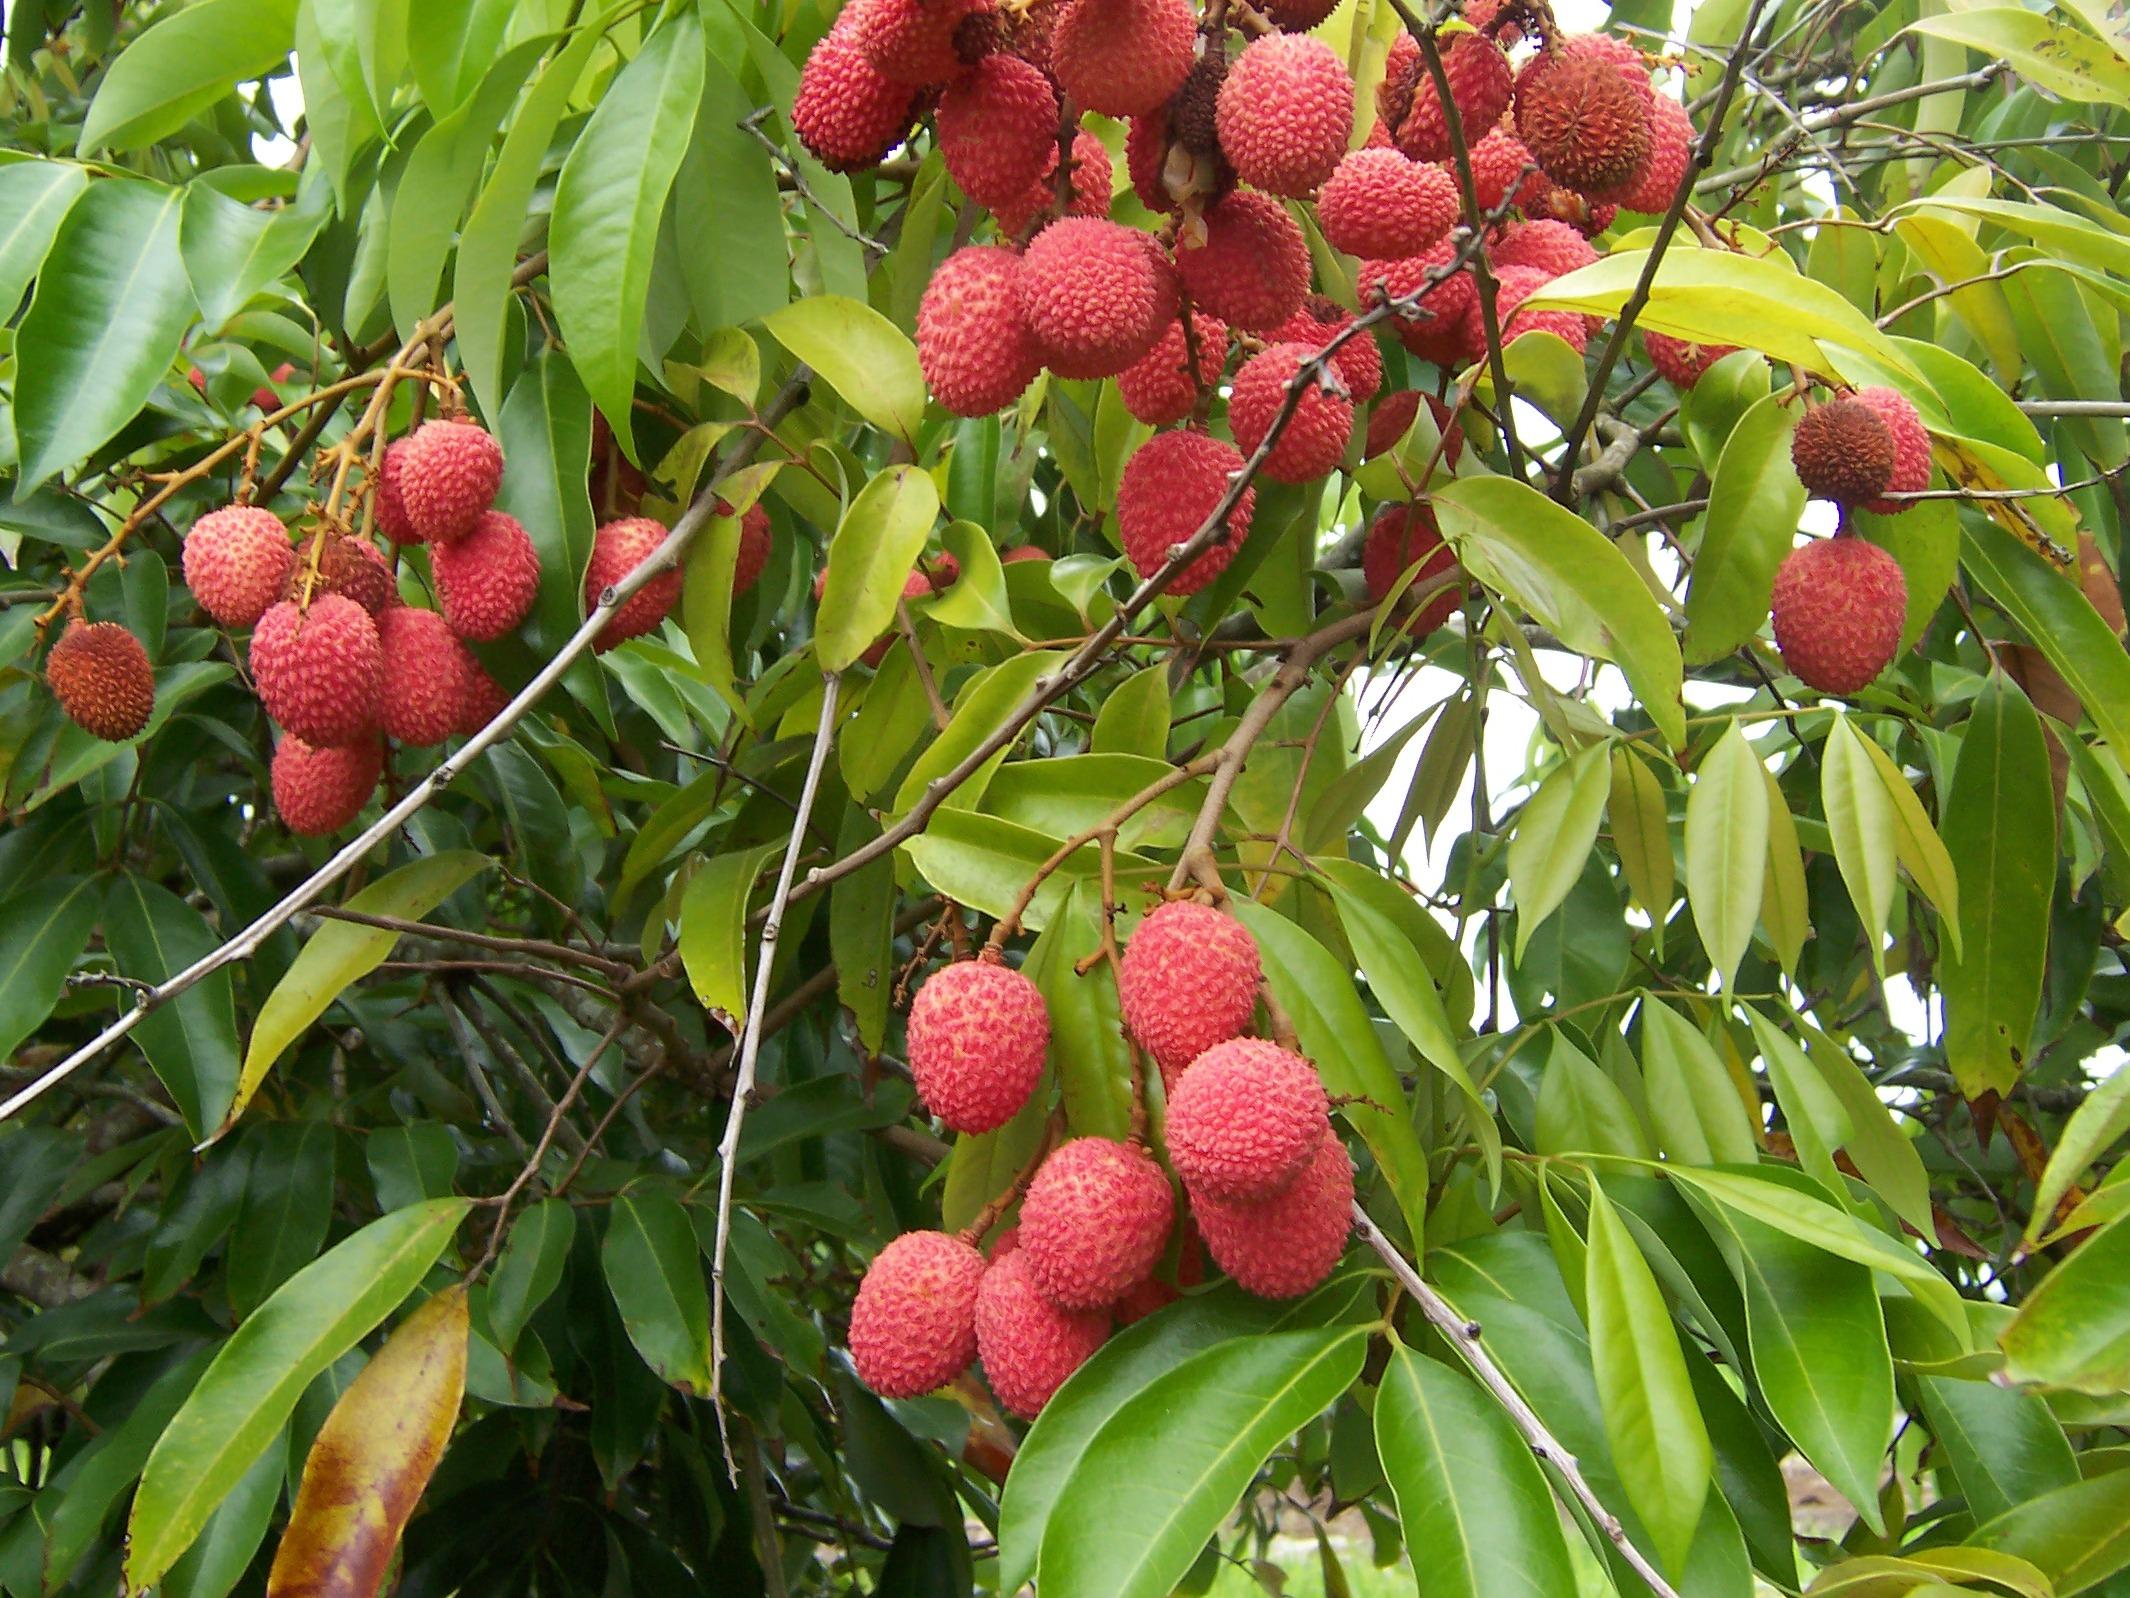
<point x="875" y="547"/>
<point x="2063" y="60"/>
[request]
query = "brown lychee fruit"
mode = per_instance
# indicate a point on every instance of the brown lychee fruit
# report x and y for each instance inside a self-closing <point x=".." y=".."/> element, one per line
<point x="848" y="112"/>
<point x="391" y="503"/>
<point x="1402" y="537"/>
<point x="317" y="791"/>
<point x="619" y="548"/>
<point x="1023" y="552"/>
<point x="1379" y="203"/>
<point x="1188" y="980"/>
<point x="1680" y="362"/>
<point x="424" y="693"/>
<point x="1094" y="1221"/>
<point x="997" y="126"/>
<point x="972" y="340"/>
<point x="101" y="676"/>
<point x="1285" y="113"/>
<point x="1245" y="1119"/>
<point x="236" y="561"/>
<point x="1252" y="271"/>
<point x="978" y="1032"/>
<point x="1844" y="451"/>
<point x="1358" y="363"/>
<point x="1283" y="1246"/>
<point x="487" y="581"/>
<point x="1583" y="120"/>
<point x="1161" y="386"/>
<point x="1480" y="83"/>
<point x="1389" y="420"/>
<point x="320" y="673"/>
<point x="1094" y="295"/>
<point x="913" y="1323"/>
<point x="1839" y="604"/>
<point x="1027" y="1344"/>
<point x="1911" y="449"/>
<point x="1122" y="58"/>
<point x="1298" y="16"/>
<point x="1315" y="435"/>
<point x="1194" y="114"/>
<point x="1170" y="486"/>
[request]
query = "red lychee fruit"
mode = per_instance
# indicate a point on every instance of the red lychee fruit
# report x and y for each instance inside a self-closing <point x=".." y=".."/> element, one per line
<point x="913" y="1323"/>
<point x="484" y="697"/>
<point x="1554" y="248"/>
<point x="101" y="676"/>
<point x="1172" y="483"/>
<point x="1358" y="362"/>
<point x="1155" y="1292"/>
<point x="1253" y="269"/>
<point x="1245" y="1119"/>
<point x="1146" y="154"/>
<point x="1544" y="199"/>
<point x="424" y="692"/>
<point x="1316" y="434"/>
<point x="350" y="567"/>
<point x="912" y="41"/>
<point x="1021" y="552"/>
<point x="1378" y="203"/>
<point x="848" y="112"/>
<point x="1285" y="113"/>
<point x="1434" y="328"/>
<point x="1583" y="120"/>
<point x="487" y="581"/>
<point x="978" y="1032"/>
<point x="971" y="338"/>
<point x="1122" y="58"/>
<point x="448" y="476"/>
<point x="320" y="673"/>
<point x="1911" y="449"/>
<point x="1480" y="83"/>
<point x="236" y="561"/>
<point x="1389" y="420"/>
<point x="1094" y="1221"/>
<point x="1283" y="1246"/>
<point x="619" y="548"/>
<point x="1403" y="536"/>
<point x="1844" y="451"/>
<point x="996" y="127"/>
<point x="753" y="552"/>
<point x="1512" y="286"/>
<point x="391" y="504"/>
<point x="317" y="791"/>
<point x="1095" y="295"/>
<point x="1679" y="362"/>
<point x="1839" y="604"/>
<point x="1160" y="387"/>
<point x="1188" y="980"/>
<point x="1027" y="1344"/>
<point x="1501" y="166"/>
<point x="1671" y="147"/>
<point x="1092" y="177"/>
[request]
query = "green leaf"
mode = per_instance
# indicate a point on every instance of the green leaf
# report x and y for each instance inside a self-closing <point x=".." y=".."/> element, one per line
<point x="713" y="930"/>
<point x="103" y="327"/>
<point x="608" y="201"/>
<point x="1571" y="578"/>
<point x="2074" y="1329"/>
<point x="1754" y="504"/>
<point x="1555" y="833"/>
<point x="1088" y="1050"/>
<point x="233" y="251"/>
<point x="1916" y="841"/>
<point x="983" y="862"/>
<point x="861" y="932"/>
<point x="1819" y="1124"/>
<point x="529" y="1269"/>
<point x="212" y="1566"/>
<point x="1860" y="817"/>
<point x="1885" y="1157"/>
<point x="980" y="709"/>
<point x="1693" y="1103"/>
<point x="251" y="1388"/>
<point x="1641" y="834"/>
<point x="1785" y="909"/>
<point x="1469" y="1493"/>
<point x="288" y="1203"/>
<point x="977" y="601"/>
<point x="182" y="66"/>
<point x="455" y="44"/>
<point x="1167" y="1468"/>
<point x="43" y="930"/>
<point x="2003" y="1445"/>
<point x="1726" y="848"/>
<point x="192" y="1041"/>
<point x="2078" y="1535"/>
<point x="725" y="216"/>
<point x="865" y="358"/>
<point x="2047" y="52"/>
<point x="654" y="1270"/>
<point x="1659" y="1444"/>
<point x="1581" y="1110"/>
<point x="1134" y="720"/>
<point x="872" y="555"/>
<point x="341" y="953"/>
<point x="2000" y="826"/>
<point x="34" y="199"/>
<point x="2101" y="1117"/>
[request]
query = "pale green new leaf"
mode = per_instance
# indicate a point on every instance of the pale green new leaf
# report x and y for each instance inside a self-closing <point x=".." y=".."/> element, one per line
<point x="1726" y="848"/>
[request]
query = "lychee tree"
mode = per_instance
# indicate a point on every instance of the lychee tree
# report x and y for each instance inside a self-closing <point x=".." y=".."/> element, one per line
<point x="1147" y="795"/>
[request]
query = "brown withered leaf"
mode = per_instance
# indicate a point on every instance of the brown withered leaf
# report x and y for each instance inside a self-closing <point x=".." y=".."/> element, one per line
<point x="374" y="1457"/>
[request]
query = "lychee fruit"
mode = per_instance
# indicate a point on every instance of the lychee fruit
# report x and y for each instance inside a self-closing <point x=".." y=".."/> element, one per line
<point x="1583" y="120"/>
<point x="1094" y="1221"/>
<point x="1378" y="203"/>
<point x="1680" y="362"/>
<point x="1404" y="536"/>
<point x="1671" y="147"/>
<point x="390" y="503"/>
<point x="1160" y="387"/>
<point x="1146" y="154"/>
<point x="1512" y="286"/>
<point x="1298" y="16"/>
<point x="236" y="561"/>
<point x="1389" y="420"/>
<point x="1091" y="180"/>
<point x="1839" y="604"/>
<point x="1195" y="112"/>
<point x="1027" y="1344"/>
<point x="424" y="691"/>
<point x="1844" y="451"/>
<point x="1285" y="113"/>
<point x="350" y="567"/>
<point x="996" y="126"/>
<point x="971" y="338"/>
<point x="1315" y="436"/>
<point x="1245" y="1119"/>
<point x="487" y="581"/>
<point x="320" y="673"/>
<point x="1171" y="484"/>
<point x="101" y="676"/>
<point x="1122" y="58"/>
<point x="448" y="476"/>
<point x="753" y="552"/>
<point x="1095" y="295"/>
<point x="912" y="41"/>
<point x="1023" y="552"/>
<point x="1358" y="362"/>
<point x="317" y="791"/>
<point x="1252" y="271"/>
<point x="1188" y="980"/>
<point x="913" y="1323"/>
<point x="1155" y="1292"/>
<point x="1434" y="328"/>
<point x="1911" y="449"/>
<point x="1480" y="83"/>
<point x="1554" y="248"/>
<point x="978" y="1032"/>
<point x="1283" y="1246"/>
<point x="484" y="698"/>
<point x="619" y="548"/>
<point x="847" y="111"/>
<point x="1501" y="166"/>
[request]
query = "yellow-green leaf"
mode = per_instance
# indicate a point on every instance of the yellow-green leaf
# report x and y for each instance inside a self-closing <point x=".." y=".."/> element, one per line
<point x="1726" y="848"/>
<point x="875" y="548"/>
<point x="1641" y="833"/>
<point x="2044" y="50"/>
<point x="1554" y="836"/>
<point x="1860" y="816"/>
<point x="1916" y="841"/>
<point x="860" y="354"/>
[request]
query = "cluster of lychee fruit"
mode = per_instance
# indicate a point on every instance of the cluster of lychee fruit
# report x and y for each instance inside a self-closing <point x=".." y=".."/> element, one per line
<point x="1099" y="1240"/>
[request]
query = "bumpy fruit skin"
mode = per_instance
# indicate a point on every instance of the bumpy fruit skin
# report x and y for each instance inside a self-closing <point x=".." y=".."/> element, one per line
<point x="1838" y="607"/>
<point x="101" y="676"/>
<point x="1283" y="1246"/>
<point x="848" y="112"/>
<point x="1844" y="451"/>
<point x="1316" y="434"/>
<point x="1583" y="121"/>
<point x="978" y="1032"/>
<point x="392" y="518"/>
<point x="1679" y="362"/>
<point x="1092" y="177"/>
<point x="619" y="548"/>
<point x="913" y="1323"/>
<point x="1554" y="248"/>
<point x="424" y="692"/>
<point x="1027" y="1344"/>
<point x="350" y="567"/>
<point x="1095" y="295"/>
<point x="1358" y="363"/>
<point x="488" y="580"/>
<point x="1169" y="487"/>
<point x="971" y="338"/>
<point x="1671" y="146"/>
<point x="1156" y="1291"/>
<point x="995" y="127"/>
<point x="1094" y="1221"/>
<point x="1159" y="388"/>
<point x="448" y="476"/>
<point x="1122" y="58"/>
<point x="1389" y="420"/>
<point x="1402" y="536"/>
<point x="1146" y="153"/>
<point x="317" y="791"/>
<point x="320" y="673"/>
<point x="1480" y="83"/>
<point x="1434" y="329"/>
<point x="1911" y="449"/>
<point x="754" y="547"/>
<point x="1245" y="1120"/>
<point x="484" y="697"/>
<point x="236" y="561"/>
<point x="1253" y="269"/>
<point x="1298" y="16"/>
<point x="1285" y="113"/>
<point x="1188" y="981"/>
<point x="912" y="41"/>
<point x="1498" y="163"/>
<point x="1378" y="203"/>
<point x="1514" y="285"/>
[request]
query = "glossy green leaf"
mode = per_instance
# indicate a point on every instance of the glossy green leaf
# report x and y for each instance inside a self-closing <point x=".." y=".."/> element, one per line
<point x="713" y="929"/>
<point x="288" y="1204"/>
<point x="34" y="199"/>
<point x="2074" y="1329"/>
<point x="1884" y="1156"/>
<point x="2100" y="1119"/>
<point x="454" y="46"/>
<point x="1555" y="833"/>
<point x="874" y="551"/>
<point x="1640" y="823"/>
<point x="980" y="709"/>
<point x="1921" y="851"/>
<point x="1581" y="1110"/>
<point x="865" y="358"/>
<point x="1755" y="501"/>
<point x="2078" y="1535"/>
<point x="1726" y="848"/>
<point x="2003" y="1445"/>
<point x="983" y="862"/>
<point x="1693" y="1103"/>
<point x="43" y="930"/>
<point x="233" y="251"/>
<point x="1860" y="816"/>
<point x="181" y="66"/>
<point x="861" y="932"/>
<point x="1134" y="720"/>
<point x="530" y="1268"/>
<point x="192" y="1041"/>
<point x="1088" y="1051"/>
<point x="1785" y="910"/>
<point x="654" y="1270"/>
